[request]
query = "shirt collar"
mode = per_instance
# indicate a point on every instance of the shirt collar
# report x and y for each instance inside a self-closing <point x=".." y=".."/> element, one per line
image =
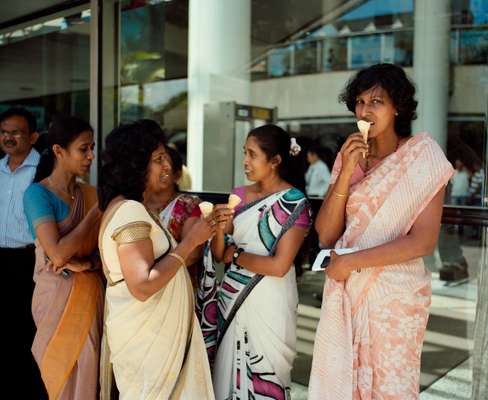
<point x="31" y="160"/>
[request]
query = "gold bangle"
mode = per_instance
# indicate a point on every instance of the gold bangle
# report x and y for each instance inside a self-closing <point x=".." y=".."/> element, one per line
<point x="179" y="258"/>
<point x="339" y="194"/>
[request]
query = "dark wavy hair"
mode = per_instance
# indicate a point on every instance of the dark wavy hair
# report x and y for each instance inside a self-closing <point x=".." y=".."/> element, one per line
<point x="63" y="131"/>
<point x="395" y="82"/>
<point x="125" y="160"/>
<point x="273" y="140"/>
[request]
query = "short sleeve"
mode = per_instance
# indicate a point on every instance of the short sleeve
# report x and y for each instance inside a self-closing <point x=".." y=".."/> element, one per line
<point x="304" y="220"/>
<point x="336" y="169"/>
<point x="241" y="192"/>
<point x="38" y="206"/>
<point x="357" y="175"/>
<point x="132" y="232"/>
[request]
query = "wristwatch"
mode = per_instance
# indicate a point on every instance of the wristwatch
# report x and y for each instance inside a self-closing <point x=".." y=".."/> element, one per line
<point x="236" y="254"/>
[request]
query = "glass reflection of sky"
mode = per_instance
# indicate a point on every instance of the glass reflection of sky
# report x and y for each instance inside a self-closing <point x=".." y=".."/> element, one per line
<point x="376" y="8"/>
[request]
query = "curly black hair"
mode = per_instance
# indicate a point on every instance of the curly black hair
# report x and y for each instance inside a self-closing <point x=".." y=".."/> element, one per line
<point x="395" y="82"/>
<point x="125" y="160"/>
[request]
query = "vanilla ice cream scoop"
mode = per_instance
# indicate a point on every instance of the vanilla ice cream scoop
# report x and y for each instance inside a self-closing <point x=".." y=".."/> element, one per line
<point x="363" y="127"/>
<point x="234" y="200"/>
<point x="206" y="208"/>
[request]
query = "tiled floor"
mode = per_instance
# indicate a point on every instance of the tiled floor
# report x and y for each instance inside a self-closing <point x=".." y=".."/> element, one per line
<point x="456" y="385"/>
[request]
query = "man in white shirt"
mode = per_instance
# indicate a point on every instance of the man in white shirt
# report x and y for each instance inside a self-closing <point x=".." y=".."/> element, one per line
<point x="18" y="133"/>
<point x="317" y="176"/>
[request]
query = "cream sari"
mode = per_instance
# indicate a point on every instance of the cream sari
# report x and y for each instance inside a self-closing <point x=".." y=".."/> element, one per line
<point x="155" y="347"/>
<point x="370" y="334"/>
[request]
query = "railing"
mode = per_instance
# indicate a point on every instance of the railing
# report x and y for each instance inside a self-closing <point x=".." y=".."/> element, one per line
<point x="469" y="45"/>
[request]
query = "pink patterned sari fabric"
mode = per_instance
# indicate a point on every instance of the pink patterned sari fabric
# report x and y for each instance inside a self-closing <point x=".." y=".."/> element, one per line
<point x="371" y="329"/>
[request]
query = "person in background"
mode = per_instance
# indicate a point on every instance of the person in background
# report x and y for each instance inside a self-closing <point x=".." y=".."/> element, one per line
<point x="460" y="184"/>
<point x="317" y="176"/>
<point x="67" y="304"/>
<point x="18" y="133"/>
<point x="184" y="181"/>
<point x="476" y="184"/>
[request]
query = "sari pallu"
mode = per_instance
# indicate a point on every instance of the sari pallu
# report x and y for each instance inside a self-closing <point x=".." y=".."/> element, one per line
<point x="370" y="334"/>
<point x="252" y="319"/>
<point x="68" y="316"/>
<point x="155" y="347"/>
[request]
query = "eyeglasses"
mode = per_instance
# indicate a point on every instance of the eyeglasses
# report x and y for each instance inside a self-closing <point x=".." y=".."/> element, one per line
<point x="15" y="134"/>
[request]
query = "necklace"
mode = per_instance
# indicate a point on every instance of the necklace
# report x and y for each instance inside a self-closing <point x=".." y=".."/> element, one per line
<point x="157" y="210"/>
<point x="71" y="196"/>
<point x="369" y="159"/>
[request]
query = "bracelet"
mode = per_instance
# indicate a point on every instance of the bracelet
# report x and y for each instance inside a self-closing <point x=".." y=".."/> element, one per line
<point x="339" y="194"/>
<point x="178" y="257"/>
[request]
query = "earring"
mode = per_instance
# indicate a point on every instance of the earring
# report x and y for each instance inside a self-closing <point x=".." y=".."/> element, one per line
<point x="396" y="114"/>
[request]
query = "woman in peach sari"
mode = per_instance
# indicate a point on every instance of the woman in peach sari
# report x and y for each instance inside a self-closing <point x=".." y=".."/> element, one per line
<point x="67" y="304"/>
<point x="388" y="204"/>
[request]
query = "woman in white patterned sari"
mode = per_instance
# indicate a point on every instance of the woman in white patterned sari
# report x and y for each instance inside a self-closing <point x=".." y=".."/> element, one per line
<point x="251" y="327"/>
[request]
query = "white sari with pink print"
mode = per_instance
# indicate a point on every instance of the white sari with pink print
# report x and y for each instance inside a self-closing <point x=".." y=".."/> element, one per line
<point x="369" y="338"/>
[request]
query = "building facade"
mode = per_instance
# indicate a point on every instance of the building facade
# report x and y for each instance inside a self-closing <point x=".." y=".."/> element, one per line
<point x="210" y="70"/>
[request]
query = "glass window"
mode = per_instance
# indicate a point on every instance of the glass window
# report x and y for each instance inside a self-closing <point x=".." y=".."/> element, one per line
<point x="150" y="57"/>
<point x="45" y="67"/>
<point x="334" y="54"/>
<point x="473" y="46"/>
<point x="306" y="57"/>
<point x="280" y="61"/>
<point x="403" y="42"/>
<point x="365" y="50"/>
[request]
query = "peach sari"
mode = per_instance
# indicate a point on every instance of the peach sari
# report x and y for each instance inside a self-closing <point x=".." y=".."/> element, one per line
<point x="68" y="316"/>
<point x="370" y="334"/>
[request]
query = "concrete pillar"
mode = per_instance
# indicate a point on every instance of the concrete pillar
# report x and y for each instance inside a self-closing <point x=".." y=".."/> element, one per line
<point x="431" y="67"/>
<point x="219" y="51"/>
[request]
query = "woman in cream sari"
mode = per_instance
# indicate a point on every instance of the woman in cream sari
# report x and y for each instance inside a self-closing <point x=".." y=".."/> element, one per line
<point x="67" y="304"/>
<point x="388" y="204"/>
<point x="152" y="338"/>
<point x="251" y="326"/>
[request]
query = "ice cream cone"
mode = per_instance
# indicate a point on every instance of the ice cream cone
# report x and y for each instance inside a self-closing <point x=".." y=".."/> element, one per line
<point x="206" y="208"/>
<point x="234" y="200"/>
<point x="363" y="127"/>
